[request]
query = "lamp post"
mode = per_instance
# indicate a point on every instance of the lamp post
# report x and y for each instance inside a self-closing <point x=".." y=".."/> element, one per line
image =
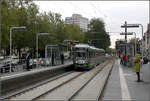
<point x="11" y="29"/>
<point x="135" y="41"/>
<point x="39" y="34"/>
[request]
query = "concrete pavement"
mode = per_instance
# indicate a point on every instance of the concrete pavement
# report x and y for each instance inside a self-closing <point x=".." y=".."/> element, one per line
<point x="122" y="85"/>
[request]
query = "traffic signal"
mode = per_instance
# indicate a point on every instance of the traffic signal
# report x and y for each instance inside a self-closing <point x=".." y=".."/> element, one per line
<point x="75" y="42"/>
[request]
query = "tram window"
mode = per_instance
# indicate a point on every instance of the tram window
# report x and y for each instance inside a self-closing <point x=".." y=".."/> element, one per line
<point x="80" y="54"/>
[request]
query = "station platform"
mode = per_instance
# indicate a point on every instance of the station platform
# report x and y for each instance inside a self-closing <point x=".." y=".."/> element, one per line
<point x="24" y="72"/>
<point x="122" y="84"/>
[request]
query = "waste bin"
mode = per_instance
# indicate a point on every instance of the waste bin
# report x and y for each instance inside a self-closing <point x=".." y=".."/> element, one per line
<point x="146" y="72"/>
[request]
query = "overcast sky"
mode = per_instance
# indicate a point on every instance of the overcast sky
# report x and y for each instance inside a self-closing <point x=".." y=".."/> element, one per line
<point x="114" y="13"/>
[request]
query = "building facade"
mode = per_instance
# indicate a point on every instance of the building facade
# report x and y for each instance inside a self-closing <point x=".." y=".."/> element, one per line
<point x="82" y="22"/>
<point x="147" y="41"/>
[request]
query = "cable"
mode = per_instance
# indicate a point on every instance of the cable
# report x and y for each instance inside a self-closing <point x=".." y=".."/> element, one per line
<point x="93" y="8"/>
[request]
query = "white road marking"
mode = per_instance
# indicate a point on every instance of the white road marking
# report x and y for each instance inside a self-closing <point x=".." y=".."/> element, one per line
<point x="124" y="89"/>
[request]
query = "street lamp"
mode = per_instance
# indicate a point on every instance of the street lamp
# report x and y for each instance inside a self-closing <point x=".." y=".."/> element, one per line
<point x="134" y="41"/>
<point x="11" y="29"/>
<point x="39" y="34"/>
<point x="48" y="45"/>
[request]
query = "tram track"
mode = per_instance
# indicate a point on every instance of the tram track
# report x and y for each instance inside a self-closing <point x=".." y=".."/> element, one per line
<point x="94" y="89"/>
<point x="76" y="86"/>
<point x="57" y="85"/>
<point x="73" y="75"/>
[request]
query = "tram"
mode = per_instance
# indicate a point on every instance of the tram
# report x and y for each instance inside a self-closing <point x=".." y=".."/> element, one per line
<point x="86" y="57"/>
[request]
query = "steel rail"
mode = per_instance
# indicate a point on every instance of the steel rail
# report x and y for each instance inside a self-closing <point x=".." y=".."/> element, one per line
<point x="87" y="82"/>
<point x="97" y="71"/>
<point x="102" y="91"/>
<point x="35" y="86"/>
<point x="58" y="86"/>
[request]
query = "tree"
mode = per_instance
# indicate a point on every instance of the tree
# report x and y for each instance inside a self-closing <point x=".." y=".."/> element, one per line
<point x="97" y="31"/>
<point x="73" y="32"/>
<point x="18" y="13"/>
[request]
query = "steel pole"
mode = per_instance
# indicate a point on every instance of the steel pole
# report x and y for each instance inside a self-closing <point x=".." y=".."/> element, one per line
<point x="126" y="37"/>
<point x="37" y="49"/>
<point x="46" y="51"/>
<point x="135" y="43"/>
<point x="51" y="56"/>
<point x="10" y="47"/>
<point x="142" y="44"/>
<point x="0" y="33"/>
<point x="46" y="54"/>
<point x="142" y="40"/>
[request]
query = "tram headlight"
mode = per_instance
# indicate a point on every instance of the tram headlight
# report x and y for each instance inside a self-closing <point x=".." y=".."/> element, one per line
<point x="83" y="61"/>
<point x="80" y="61"/>
<point x="76" y="61"/>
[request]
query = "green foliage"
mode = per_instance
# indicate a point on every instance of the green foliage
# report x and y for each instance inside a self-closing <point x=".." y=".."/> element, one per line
<point x="26" y="13"/>
<point x="97" y="34"/>
<point x="108" y="50"/>
<point x="73" y="32"/>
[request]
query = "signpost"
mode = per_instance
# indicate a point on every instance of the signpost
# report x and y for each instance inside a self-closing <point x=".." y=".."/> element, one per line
<point x="131" y="26"/>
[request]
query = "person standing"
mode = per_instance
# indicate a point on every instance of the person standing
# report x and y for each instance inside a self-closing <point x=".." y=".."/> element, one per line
<point x="125" y="59"/>
<point x="28" y="61"/>
<point x="62" y="58"/>
<point x="52" y="59"/>
<point x="121" y="58"/>
<point x="137" y="66"/>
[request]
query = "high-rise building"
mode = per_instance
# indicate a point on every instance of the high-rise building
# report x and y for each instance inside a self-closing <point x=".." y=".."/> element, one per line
<point x="82" y="22"/>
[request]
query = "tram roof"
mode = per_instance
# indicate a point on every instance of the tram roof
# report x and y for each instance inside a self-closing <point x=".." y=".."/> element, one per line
<point x="82" y="46"/>
<point x="87" y="46"/>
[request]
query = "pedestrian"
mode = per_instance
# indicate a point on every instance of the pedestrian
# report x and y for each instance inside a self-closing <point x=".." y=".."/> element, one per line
<point x="28" y="57"/>
<point x="121" y="58"/>
<point x="137" y="66"/>
<point x="125" y="58"/>
<point x="52" y="59"/>
<point x="62" y="58"/>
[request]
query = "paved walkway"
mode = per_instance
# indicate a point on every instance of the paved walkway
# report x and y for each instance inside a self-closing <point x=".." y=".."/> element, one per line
<point x="122" y="85"/>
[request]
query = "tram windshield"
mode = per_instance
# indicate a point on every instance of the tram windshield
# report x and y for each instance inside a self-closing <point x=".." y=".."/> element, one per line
<point x="80" y="54"/>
